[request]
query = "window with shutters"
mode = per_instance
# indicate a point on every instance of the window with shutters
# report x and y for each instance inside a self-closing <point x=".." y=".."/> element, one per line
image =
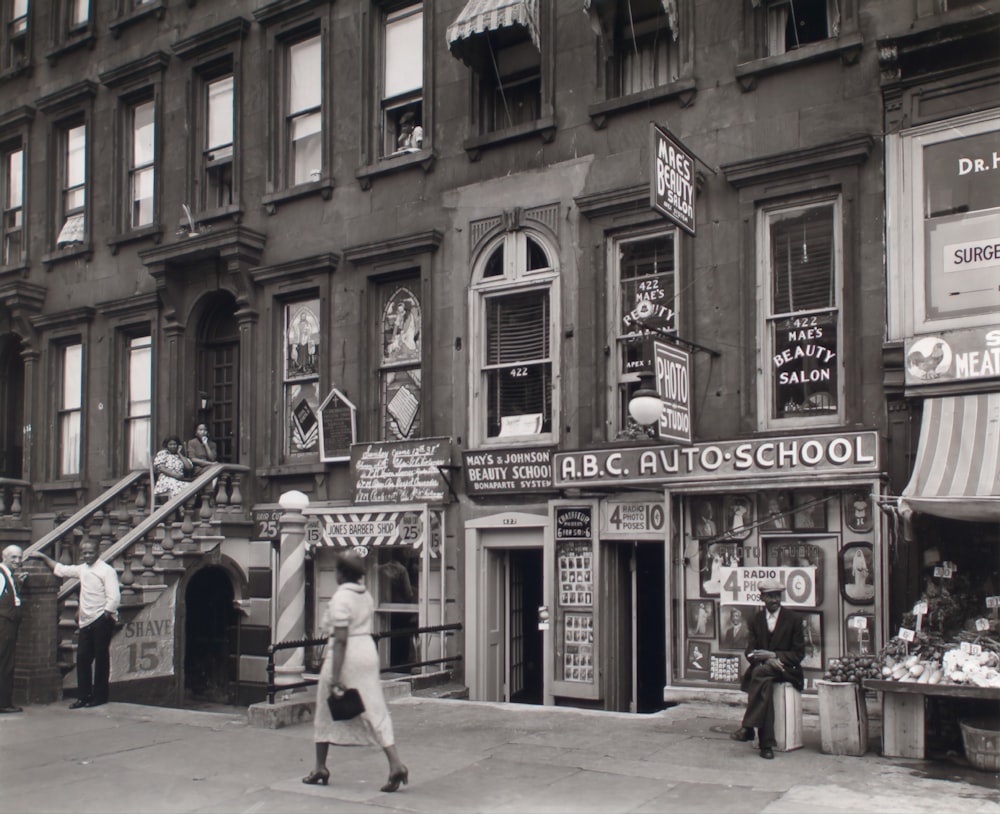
<point x="514" y="395"/>
<point x="800" y="257"/>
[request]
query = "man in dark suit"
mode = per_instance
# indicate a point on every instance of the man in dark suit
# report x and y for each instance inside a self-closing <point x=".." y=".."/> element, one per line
<point x="10" y="618"/>
<point x="775" y="652"/>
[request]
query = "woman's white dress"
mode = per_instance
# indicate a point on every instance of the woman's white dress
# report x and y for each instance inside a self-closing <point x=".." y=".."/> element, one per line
<point x="352" y="607"/>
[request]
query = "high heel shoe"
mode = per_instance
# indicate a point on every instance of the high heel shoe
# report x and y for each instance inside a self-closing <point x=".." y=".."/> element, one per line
<point x="317" y="777"/>
<point x="395" y="778"/>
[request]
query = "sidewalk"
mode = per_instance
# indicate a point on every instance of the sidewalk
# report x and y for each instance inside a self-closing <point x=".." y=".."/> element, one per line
<point x="463" y="757"/>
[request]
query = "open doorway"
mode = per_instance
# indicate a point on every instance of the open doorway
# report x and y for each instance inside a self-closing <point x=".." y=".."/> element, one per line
<point x="526" y="653"/>
<point x="636" y="658"/>
<point x="211" y="639"/>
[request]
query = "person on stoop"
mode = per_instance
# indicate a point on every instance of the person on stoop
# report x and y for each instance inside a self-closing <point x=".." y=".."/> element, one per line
<point x="775" y="651"/>
<point x="100" y="596"/>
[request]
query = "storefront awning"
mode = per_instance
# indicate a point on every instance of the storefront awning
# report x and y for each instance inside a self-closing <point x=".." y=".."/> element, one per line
<point x="480" y="17"/>
<point x="602" y="18"/>
<point x="957" y="471"/>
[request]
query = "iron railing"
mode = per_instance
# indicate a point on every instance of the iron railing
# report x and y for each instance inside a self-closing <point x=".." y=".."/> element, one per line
<point x="272" y="689"/>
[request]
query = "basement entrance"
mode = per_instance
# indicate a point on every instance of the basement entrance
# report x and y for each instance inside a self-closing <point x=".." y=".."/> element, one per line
<point x="211" y="639"/>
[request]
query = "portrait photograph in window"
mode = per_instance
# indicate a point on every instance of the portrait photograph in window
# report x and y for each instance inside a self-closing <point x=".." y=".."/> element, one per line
<point x="809" y="510"/>
<point x="739" y="516"/>
<point x="734" y="626"/>
<point x="857" y="574"/>
<point x="706" y="517"/>
<point x="698" y="658"/>
<point x="713" y="557"/>
<point x="858" y="514"/>
<point x="859" y="634"/>
<point x="812" y="633"/>
<point x="302" y="339"/>
<point x="700" y="615"/>
<point x="775" y="510"/>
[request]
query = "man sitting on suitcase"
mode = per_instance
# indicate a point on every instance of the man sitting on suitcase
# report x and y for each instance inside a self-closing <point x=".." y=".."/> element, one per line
<point x="775" y="651"/>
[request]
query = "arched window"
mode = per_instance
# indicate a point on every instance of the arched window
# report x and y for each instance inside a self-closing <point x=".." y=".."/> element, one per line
<point x="514" y="392"/>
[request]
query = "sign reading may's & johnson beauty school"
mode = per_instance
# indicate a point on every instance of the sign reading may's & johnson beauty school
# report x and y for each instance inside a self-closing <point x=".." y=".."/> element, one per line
<point x="504" y="471"/>
<point x="849" y="453"/>
<point x="671" y="187"/>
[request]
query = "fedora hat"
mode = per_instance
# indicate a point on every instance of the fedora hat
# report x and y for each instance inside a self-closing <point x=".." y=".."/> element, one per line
<point x="770" y="586"/>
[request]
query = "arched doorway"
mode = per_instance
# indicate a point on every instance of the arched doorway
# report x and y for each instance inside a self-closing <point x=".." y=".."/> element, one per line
<point x="218" y="368"/>
<point x="11" y="406"/>
<point x="211" y="639"/>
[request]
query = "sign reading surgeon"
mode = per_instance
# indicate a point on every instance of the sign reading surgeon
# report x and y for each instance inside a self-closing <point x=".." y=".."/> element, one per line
<point x="671" y="191"/>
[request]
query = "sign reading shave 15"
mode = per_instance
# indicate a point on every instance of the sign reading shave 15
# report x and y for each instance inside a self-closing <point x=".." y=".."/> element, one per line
<point x="671" y="187"/>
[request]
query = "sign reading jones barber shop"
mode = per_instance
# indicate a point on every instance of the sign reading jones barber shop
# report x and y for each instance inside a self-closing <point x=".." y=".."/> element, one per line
<point x="844" y="453"/>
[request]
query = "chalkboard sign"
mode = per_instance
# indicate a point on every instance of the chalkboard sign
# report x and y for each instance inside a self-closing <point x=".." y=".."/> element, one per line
<point x="401" y="471"/>
<point x="337" y="427"/>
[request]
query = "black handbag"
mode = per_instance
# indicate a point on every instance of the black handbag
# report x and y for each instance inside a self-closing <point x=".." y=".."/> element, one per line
<point x="347" y="706"/>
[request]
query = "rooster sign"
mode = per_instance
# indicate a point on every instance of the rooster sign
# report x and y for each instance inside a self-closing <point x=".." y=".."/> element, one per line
<point x="928" y="358"/>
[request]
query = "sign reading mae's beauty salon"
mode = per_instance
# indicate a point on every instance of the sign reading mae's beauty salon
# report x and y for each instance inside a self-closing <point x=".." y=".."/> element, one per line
<point x="671" y="188"/>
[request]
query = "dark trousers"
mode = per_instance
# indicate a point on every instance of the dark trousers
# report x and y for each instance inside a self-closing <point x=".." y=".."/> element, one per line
<point x="93" y="660"/>
<point x="8" y="641"/>
<point x="759" y="714"/>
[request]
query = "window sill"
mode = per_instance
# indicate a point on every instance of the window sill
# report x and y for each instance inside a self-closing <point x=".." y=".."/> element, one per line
<point x="287" y="470"/>
<point x="233" y="212"/>
<point x="545" y="127"/>
<point x="15" y="268"/>
<point x="683" y="90"/>
<point x="323" y="187"/>
<point x="396" y="162"/>
<point x="847" y="47"/>
<point x="21" y="69"/>
<point x="70" y="44"/>
<point x="154" y="231"/>
<point x="117" y="26"/>
<point x="84" y="250"/>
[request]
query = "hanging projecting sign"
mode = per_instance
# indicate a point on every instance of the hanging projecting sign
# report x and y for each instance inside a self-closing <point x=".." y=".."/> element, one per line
<point x="671" y="187"/>
<point x="673" y="366"/>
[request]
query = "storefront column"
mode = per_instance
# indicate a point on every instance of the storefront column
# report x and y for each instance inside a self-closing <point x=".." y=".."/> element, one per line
<point x="291" y="609"/>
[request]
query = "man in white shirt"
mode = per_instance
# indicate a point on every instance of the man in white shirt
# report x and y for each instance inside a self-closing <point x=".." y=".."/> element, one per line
<point x="100" y="596"/>
<point x="10" y="618"/>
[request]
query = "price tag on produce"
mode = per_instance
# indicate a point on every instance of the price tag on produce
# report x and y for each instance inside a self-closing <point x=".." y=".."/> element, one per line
<point x="993" y="602"/>
<point x="906" y="634"/>
<point x="920" y="608"/>
<point x="971" y="649"/>
<point x="938" y="571"/>
<point x="946" y="572"/>
<point x="982" y="624"/>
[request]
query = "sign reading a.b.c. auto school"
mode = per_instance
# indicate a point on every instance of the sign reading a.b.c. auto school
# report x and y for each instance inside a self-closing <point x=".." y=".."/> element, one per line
<point x="671" y="188"/>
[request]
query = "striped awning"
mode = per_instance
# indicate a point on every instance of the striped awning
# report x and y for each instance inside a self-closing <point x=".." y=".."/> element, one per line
<point x="957" y="471"/>
<point x="480" y="17"/>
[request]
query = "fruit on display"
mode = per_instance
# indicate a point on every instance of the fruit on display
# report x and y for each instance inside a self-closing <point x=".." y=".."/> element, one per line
<point x="852" y="669"/>
<point x="977" y="669"/>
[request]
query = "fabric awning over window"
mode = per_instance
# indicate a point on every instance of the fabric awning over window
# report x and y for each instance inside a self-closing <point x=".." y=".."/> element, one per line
<point x="479" y="17"/>
<point x="602" y="13"/>
<point x="957" y="471"/>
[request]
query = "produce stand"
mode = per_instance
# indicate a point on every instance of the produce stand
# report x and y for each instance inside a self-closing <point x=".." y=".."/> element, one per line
<point x="904" y="708"/>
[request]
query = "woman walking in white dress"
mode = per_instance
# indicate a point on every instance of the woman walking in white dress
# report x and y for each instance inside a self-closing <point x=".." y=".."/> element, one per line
<point x="352" y="662"/>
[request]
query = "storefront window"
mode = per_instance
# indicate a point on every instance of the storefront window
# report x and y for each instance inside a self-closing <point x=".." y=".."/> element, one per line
<point x="822" y="545"/>
<point x="395" y="586"/>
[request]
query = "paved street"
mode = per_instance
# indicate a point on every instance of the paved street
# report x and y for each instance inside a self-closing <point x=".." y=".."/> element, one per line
<point x="463" y="757"/>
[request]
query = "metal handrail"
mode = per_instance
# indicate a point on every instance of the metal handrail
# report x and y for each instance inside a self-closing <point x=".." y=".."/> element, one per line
<point x="272" y="689"/>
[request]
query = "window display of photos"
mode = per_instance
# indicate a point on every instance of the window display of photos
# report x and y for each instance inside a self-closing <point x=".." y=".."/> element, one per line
<point x="578" y="647"/>
<point x="574" y="564"/>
